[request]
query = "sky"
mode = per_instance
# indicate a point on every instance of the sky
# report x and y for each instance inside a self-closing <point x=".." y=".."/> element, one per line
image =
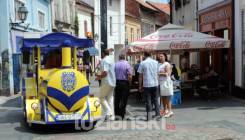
<point x="165" y="1"/>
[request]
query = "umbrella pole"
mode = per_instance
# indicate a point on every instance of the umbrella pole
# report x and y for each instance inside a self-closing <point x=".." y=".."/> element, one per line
<point x="170" y="55"/>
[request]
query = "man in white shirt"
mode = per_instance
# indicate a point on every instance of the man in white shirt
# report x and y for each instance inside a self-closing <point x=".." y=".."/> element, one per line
<point x="148" y="71"/>
<point x="108" y="83"/>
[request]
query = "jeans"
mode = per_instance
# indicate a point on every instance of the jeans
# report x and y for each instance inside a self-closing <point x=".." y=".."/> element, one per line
<point x="151" y="94"/>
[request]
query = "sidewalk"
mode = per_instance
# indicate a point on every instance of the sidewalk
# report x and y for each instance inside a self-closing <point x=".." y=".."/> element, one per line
<point x="4" y="99"/>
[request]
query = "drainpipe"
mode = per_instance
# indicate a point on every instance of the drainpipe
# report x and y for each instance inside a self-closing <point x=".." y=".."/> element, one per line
<point x="197" y="16"/>
<point x="171" y="11"/>
<point x="232" y="83"/>
<point x="103" y="11"/>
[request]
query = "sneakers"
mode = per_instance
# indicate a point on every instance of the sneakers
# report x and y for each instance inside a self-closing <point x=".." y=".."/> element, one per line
<point x="109" y="118"/>
<point x="169" y="114"/>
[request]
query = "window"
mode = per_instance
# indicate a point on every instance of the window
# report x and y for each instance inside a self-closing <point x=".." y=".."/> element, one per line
<point x="41" y="19"/>
<point x="132" y="34"/>
<point x="177" y="4"/>
<point x="110" y="2"/>
<point x="146" y="29"/>
<point x="85" y="27"/>
<point x="126" y="36"/>
<point x="186" y="2"/>
<point x="51" y="59"/>
<point x="17" y="4"/>
<point x="56" y="11"/>
<point x="138" y="33"/>
<point x="66" y="8"/>
<point x="111" y="26"/>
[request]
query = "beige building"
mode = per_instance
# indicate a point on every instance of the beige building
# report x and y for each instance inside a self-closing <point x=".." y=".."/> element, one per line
<point x="63" y="20"/>
<point x="132" y="29"/>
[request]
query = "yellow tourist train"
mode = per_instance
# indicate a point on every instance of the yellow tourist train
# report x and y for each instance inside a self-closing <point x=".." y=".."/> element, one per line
<point x="53" y="90"/>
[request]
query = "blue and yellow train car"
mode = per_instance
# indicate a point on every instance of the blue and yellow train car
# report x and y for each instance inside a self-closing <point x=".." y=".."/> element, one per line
<point x="53" y="90"/>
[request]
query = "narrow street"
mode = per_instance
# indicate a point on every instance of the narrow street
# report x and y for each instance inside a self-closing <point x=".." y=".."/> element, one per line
<point x="221" y="119"/>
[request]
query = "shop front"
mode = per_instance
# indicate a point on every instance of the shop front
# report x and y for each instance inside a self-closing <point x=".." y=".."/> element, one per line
<point x="217" y="21"/>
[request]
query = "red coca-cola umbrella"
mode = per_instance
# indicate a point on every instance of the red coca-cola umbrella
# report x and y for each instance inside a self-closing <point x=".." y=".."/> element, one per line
<point x="173" y="37"/>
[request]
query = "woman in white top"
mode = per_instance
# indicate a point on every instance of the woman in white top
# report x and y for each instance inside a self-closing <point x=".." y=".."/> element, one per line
<point x="166" y="84"/>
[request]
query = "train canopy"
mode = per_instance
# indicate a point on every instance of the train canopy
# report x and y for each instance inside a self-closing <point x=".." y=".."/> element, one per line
<point x="56" y="40"/>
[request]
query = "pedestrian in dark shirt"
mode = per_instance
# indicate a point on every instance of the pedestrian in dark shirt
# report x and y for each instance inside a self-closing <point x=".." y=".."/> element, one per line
<point x="123" y="74"/>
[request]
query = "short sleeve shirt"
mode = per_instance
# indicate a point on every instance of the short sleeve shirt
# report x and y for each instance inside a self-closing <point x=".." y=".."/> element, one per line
<point x="108" y="66"/>
<point x="149" y="69"/>
<point x="122" y="70"/>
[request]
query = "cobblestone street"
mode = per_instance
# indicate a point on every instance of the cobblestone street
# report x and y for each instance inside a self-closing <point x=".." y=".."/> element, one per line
<point x="221" y="119"/>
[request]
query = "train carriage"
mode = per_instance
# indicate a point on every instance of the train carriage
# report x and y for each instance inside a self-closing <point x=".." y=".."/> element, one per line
<point x="53" y="90"/>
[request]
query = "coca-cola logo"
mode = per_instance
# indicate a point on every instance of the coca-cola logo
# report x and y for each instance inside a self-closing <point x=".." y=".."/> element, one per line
<point x="215" y="44"/>
<point x="180" y="45"/>
<point x="171" y="36"/>
<point x="145" y="47"/>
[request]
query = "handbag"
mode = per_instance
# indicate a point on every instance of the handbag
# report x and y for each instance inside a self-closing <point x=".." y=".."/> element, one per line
<point x="166" y="87"/>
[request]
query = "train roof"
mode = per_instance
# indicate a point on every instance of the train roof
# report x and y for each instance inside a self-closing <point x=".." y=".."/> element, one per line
<point x="56" y="40"/>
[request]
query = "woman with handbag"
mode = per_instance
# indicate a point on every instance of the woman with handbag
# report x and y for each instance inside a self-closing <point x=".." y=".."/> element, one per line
<point x="166" y="85"/>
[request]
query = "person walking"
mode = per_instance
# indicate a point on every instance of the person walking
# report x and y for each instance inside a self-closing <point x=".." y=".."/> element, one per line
<point x="148" y="75"/>
<point x="123" y="73"/>
<point x="108" y="83"/>
<point x="166" y="85"/>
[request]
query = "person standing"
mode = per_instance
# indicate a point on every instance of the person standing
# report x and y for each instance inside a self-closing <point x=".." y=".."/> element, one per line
<point x="166" y="85"/>
<point x="108" y="83"/>
<point x="123" y="78"/>
<point x="148" y="75"/>
<point x="97" y="72"/>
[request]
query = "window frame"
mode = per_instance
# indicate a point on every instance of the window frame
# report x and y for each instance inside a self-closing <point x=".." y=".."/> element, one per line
<point x="44" y="15"/>
<point x="111" y="28"/>
<point x="110" y="2"/>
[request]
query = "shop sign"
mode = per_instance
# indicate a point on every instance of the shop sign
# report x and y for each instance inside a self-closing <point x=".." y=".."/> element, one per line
<point x="216" y="15"/>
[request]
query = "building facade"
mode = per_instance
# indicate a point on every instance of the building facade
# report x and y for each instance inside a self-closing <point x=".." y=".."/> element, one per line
<point x="109" y="25"/>
<point x="63" y="20"/>
<point x="142" y="19"/>
<point x="133" y="21"/>
<point x="184" y="13"/>
<point x="215" y="18"/>
<point x="85" y="15"/>
<point x="12" y="31"/>
<point x="239" y="21"/>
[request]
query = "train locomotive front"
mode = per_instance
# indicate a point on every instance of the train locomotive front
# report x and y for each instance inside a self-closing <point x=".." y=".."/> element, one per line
<point x="57" y="95"/>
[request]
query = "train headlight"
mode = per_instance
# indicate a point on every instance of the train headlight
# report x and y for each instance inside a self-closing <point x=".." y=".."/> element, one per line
<point x="96" y="103"/>
<point x="34" y="106"/>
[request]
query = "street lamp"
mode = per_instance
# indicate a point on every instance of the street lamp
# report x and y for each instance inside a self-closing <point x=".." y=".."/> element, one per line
<point x="22" y="14"/>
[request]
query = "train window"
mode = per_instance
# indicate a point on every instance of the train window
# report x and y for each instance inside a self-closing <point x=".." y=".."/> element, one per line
<point x="26" y="57"/>
<point x="51" y="58"/>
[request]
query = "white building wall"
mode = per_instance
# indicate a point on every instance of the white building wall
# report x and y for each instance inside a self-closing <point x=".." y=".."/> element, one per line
<point x="117" y="12"/>
<point x="97" y="31"/>
<point x="82" y="17"/>
<point x="186" y="15"/>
